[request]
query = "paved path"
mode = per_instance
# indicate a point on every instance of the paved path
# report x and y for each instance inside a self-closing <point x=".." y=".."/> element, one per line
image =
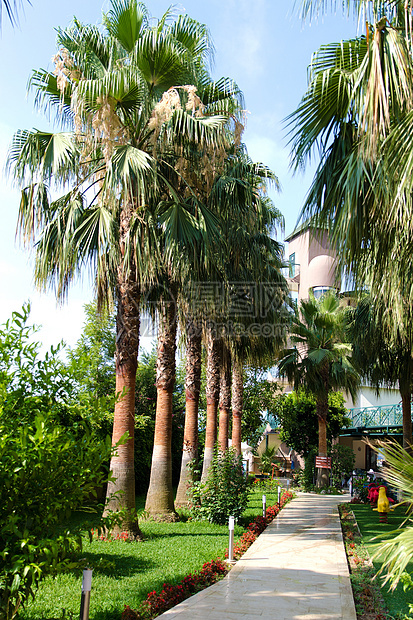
<point x="296" y="570"/>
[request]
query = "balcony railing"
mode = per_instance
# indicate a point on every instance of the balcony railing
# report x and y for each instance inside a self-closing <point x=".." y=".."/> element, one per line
<point x="291" y="271"/>
<point x="384" y="416"/>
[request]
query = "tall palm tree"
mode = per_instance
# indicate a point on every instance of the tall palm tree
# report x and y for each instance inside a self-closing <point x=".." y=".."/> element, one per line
<point x="320" y="359"/>
<point x="119" y="92"/>
<point x="250" y="260"/>
<point x="213" y="370"/>
<point x="193" y="369"/>
<point x="357" y="111"/>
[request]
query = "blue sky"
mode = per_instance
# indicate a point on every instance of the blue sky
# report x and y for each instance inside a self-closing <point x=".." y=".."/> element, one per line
<point x="260" y="43"/>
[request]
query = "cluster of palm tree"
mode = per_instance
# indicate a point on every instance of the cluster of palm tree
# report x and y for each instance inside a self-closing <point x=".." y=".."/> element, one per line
<point x="149" y="187"/>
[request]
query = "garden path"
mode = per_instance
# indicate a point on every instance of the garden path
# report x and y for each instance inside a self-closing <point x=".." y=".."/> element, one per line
<point x="295" y="570"/>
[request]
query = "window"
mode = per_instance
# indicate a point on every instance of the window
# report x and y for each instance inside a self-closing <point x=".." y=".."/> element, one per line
<point x="319" y="291"/>
<point x="291" y="270"/>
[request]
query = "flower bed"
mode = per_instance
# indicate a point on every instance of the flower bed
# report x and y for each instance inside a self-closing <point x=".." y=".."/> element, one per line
<point x="155" y="604"/>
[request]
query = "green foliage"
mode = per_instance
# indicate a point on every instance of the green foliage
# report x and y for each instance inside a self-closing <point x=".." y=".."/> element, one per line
<point x="91" y="361"/>
<point x="51" y="461"/>
<point x="297" y="414"/>
<point x="343" y="460"/>
<point x="259" y="396"/>
<point x="225" y="491"/>
<point x="306" y="476"/>
<point x="46" y="473"/>
<point x="360" y="486"/>
<point x="267" y="458"/>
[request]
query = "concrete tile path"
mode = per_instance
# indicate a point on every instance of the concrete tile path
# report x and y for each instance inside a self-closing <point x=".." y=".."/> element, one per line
<point x="296" y="570"/>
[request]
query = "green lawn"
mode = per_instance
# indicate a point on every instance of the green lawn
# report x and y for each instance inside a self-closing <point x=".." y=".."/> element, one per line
<point x="397" y="602"/>
<point x="128" y="571"/>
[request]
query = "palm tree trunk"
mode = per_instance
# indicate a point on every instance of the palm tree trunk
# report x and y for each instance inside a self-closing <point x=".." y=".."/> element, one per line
<point x="213" y="369"/>
<point x="407" y="418"/>
<point x="159" y="500"/>
<point x="192" y="390"/>
<point x="224" y="399"/>
<point x="405" y="388"/>
<point x="126" y="361"/>
<point x="237" y="405"/>
<point x="323" y="474"/>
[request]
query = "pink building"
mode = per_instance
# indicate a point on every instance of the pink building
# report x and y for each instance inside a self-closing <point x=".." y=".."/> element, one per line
<point x="312" y="262"/>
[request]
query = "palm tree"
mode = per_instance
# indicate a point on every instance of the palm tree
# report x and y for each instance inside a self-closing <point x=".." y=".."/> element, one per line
<point x="357" y="112"/>
<point x="119" y="94"/>
<point x="213" y="370"/>
<point x="320" y="359"/>
<point x="237" y="404"/>
<point x="381" y="358"/>
<point x="192" y="393"/>
<point x="250" y="260"/>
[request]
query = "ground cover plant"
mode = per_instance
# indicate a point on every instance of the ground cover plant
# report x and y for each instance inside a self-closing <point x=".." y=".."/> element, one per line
<point x="368" y="599"/>
<point x="125" y="572"/>
<point x="359" y="551"/>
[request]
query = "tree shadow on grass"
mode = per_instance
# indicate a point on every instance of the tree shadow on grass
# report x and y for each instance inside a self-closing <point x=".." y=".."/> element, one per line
<point x="116" y="564"/>
<point x="155" y="535"/>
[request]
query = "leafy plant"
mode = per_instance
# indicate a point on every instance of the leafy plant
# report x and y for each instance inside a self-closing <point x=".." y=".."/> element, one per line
<point x="267" y="458"/>
<point x="343" y="460"/>
<point x="51" y="462"/>
<point x="46" y="473"/>
<point x="225" y="491"/>
<point x="297" y="414"/>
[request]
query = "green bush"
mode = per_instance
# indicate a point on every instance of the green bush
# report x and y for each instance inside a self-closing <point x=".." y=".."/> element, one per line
<point x="51" y="461"/>
<point x="343" y="460"/>
<point x="46" y="472"/>
<point x="225" y="491"/>
<point x="267" y="458"/>
<point x="306" y="476"/>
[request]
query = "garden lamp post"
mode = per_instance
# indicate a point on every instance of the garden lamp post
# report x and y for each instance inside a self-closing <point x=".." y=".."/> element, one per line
<point x="86" y="588"/>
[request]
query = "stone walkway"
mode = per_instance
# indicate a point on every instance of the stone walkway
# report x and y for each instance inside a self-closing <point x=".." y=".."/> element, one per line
<point x="296" y="570"/>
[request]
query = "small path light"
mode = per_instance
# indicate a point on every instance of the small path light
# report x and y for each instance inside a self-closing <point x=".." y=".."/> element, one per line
<point x="231" y="525"/>
<point x="264" y="506"/>
<point x="86" y="588"/>
<point x="279" y="497"/>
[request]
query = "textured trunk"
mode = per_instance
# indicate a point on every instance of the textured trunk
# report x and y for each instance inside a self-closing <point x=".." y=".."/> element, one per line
<point x="405" y="387"/>
<point x="192" y="389"/>
<point x="407" y="420"/>
<point x="159" y="500"/>
<point x="126" y="359"/>
<point x="237" y="404"/>
<point x="323" y="475"/>
<point x="224" y="399"/>
<point x="214" y="361"/>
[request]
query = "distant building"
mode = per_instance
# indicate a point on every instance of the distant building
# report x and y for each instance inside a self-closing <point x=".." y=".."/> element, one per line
<point x="312" y="266"/>
<point x="312" y="263"/>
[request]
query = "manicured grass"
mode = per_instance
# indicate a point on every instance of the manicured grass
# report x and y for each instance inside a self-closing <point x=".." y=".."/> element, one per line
<point x="397" y="601"/>
<point x="124" y="573"/>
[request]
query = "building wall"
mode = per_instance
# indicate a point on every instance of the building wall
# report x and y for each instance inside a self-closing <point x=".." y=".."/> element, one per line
<point x="367" y="397"/>
<point x="316" y="260"/>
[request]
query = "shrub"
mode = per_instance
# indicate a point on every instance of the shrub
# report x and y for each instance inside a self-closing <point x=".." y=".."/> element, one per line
<point x="343" y="460"/>
<point x="50" y="462"/>
<point x="225" y="491"/>
<point x="46" y="473"/>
